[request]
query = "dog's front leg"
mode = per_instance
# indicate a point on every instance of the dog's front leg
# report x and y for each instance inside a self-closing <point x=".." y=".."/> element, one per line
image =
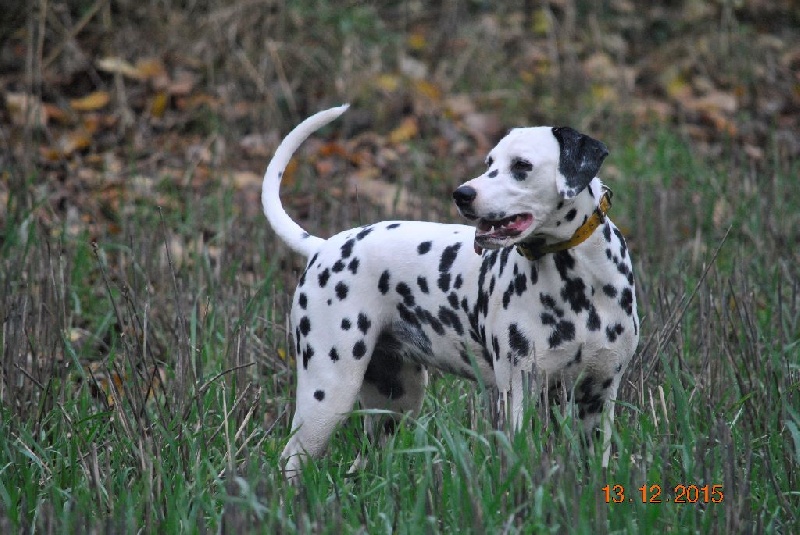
<point x="524" y="383"/>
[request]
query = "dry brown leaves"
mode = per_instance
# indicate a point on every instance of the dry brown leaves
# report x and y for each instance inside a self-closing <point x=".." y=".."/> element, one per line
<point x="114" y="125"/>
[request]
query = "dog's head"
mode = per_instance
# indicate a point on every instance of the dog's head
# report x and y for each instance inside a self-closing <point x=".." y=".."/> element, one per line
<point x="530" y="173"/>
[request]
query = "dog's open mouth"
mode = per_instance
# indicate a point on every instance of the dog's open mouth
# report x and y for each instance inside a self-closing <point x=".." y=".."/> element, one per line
<point x="497" y="232"/>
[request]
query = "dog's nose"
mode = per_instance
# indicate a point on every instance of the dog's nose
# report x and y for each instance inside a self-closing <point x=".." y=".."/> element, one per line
<point x="464" y="195"/>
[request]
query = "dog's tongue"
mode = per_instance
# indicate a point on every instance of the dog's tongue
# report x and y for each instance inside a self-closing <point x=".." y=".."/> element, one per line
<point x="508" y="227"/>
<point x="501" y="229"/>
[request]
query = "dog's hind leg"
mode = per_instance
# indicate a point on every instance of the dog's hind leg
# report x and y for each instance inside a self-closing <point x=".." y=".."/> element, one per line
<point x="328" y="382"/>
<point x="595" y="399"/>
<point x="608" y="423"/>
<point x="393" y="385"/>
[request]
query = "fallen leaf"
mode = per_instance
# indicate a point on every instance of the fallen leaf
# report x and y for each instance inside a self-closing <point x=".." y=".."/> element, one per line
<point x="158" y="104"/>
<point x="417" y="41"/>
<point x="66" y="145"/>
<point x="56" y="113"/>
<point x="388" y="82"/>
<point x="91" y="102"/>
<point x="459" y="105"/>
<point x="332" y="149"/>
<point x="542" y="23"/>
<point x="183" y="84"/>
<point x="408" y="129"/>
<point x="24" y="108"/>
<point x="715" y="101"/>
<point x="246" y="179"/>
<point x="677" y="87"/>
<point x="603" y="93"/>
<point x="151" y="68"/>
<point x="115" y="65"/>
<point x="428" y="89"/>
<point x="289" y="172"/>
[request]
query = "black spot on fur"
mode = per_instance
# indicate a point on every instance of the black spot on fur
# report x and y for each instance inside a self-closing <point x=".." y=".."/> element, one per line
<point x="504" y="254"/>
<point x="424" y="247"/>
<point x="364" y="232"/>
<point x="569" y="216"/>
<point x="564" y="331"/>
<point x="517" y="341"/>
<point x="383" y="282"/>
<point x="452" y="298"/>
<point x="607" y="232"/>
<point x="507" y="295"/>
<point x="449" y="256"/>
<point x="333" y="354"/>
<point x="302" y="300"/>
<point x="346" y="324"/>
<point x="458" y="281"/>
<point x="444" y="282"/>
<point x="407" y="316"/>
<point x="347" y="248"/>
<point x="626" y="301"/>
<point x="392" y="226"/>
<point x="338" y="266"/>
<point x="305" y="325"/>
<point x="319" y="395"/>
<point x="341" y="290"/>
<point x="363" y="323"/>
<point x="422" y="282"/>
<point x="323" y="277"/>
<point x="520" y="169"/>
<point x="610" y="290"/>
<point x="308" y="352"/>
<point x="353" y="266"/>
<point x="493" y="173"/>
<point x="405" y="292"/>
<point x="607" y="382"/>
<point x="613" y="331"/>
<point x="520" y="284"/>
<point x="359" y="349"/>
<point x="450" y="318"/>
<point x="593" y="321"/>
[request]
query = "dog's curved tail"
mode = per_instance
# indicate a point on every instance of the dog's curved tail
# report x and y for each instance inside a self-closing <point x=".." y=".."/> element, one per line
<point x="283" y="225"/>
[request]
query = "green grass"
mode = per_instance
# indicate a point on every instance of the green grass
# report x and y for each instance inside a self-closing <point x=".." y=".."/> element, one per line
<point x="711" y="400"/>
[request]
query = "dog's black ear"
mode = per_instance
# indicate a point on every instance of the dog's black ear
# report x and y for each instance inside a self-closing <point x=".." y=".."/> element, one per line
<point x="580" y="159"/>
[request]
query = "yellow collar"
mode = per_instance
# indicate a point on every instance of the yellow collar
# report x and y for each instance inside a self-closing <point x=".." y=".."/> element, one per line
<point x="533" y="251"/>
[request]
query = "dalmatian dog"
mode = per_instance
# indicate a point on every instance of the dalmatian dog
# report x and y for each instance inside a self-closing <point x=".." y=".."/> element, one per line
<point x="540" y="294"/>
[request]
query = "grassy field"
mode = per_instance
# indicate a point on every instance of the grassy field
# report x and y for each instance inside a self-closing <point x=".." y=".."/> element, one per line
<point x="146" y="384"/>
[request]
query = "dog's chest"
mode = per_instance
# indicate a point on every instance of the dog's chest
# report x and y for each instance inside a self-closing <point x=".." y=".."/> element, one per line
<point x="559" y="313"/>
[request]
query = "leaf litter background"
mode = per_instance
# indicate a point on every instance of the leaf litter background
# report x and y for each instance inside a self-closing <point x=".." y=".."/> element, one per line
<point x="102" y="98"/>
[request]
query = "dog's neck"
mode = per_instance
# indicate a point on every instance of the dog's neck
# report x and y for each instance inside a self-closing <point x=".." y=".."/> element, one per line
<point x="572" y="223"/>
<point x="563" y="222"/>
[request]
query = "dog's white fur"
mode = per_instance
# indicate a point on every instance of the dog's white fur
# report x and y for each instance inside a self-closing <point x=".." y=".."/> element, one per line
<point x="378" y="304"/>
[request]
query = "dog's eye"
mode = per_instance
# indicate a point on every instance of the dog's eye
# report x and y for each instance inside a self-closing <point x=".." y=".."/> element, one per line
<point x="521" y="166"/>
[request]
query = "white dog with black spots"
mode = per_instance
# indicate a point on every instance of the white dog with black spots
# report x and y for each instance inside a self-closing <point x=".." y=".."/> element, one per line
<point x="542" y="289"/>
